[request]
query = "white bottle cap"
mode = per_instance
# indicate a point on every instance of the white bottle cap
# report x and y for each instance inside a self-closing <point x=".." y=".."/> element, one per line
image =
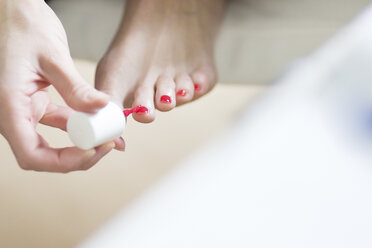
<point x="90" y="130"/>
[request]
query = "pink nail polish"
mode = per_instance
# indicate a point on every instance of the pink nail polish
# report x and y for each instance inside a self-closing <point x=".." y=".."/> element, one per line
<point x="197" y="87"/>
<point x="165" y="99"/>
<point x="181" y="93"/>
<point x="127" y="112"/>
<point x="138" y="110"/>
<point x="141" y="110"/>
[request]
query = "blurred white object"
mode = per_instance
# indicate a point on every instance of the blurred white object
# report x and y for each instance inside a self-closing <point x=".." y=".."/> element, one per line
<point x="295" y="171"/>
<point x="89" y="130"/>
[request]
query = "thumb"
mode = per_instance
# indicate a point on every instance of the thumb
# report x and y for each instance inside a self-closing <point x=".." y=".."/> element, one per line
<point x="77" y="93"/>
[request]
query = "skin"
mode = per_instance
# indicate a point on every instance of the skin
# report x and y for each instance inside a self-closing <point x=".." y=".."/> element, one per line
<point x="34" y="54"/>
<point x="161" y="47"/>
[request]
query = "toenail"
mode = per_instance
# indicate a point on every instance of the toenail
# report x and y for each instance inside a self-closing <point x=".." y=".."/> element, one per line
<point x="166" y="99"/>
<point x="141" y="110"/>
<point x="137" y="109"/>
<point x="197" y="87"/>
<point x="181" y="93"/>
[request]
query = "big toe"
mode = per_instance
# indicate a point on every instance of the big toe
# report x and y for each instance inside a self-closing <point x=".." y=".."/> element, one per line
<point x="143" y="104"/>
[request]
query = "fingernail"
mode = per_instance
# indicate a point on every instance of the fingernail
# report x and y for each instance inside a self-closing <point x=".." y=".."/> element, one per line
<point x="181" y="93"/>
<point x="141" y="110"/>
<point x="166" y="99"/>
<point x="197" y="87"/>
<point x="109" y="146"/>
<point x="90" y="153"/>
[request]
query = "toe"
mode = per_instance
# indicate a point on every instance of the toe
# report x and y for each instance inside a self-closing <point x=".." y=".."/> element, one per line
<point x="144" y="103"/>
<point x="204" y="80"/>
<point x="165" y="95"/>
<point x="109" y="80"/>
<point x="184" y="88"/>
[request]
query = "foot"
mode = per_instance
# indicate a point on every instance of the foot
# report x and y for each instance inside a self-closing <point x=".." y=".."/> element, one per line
<point x="162" y="55"/>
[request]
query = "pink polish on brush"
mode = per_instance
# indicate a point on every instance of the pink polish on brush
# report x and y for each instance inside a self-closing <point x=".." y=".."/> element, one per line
<point x="138" y="110"/>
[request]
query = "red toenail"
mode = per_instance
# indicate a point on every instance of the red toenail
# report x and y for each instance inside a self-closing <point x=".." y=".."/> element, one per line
<point x="165" y="99"/>
<point x="181" y="93"/>
<point x="138" y="110"/>
<point x="197" y="87"/>
<point x="141" y="110"/>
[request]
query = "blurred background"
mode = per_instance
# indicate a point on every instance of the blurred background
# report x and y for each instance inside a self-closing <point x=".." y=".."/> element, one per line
<point x="258" y="41"/>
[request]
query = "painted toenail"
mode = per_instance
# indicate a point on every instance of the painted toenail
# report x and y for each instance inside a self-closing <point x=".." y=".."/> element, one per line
<point x="165" y="99"/>
<point x="138" y="109"/>
<point x="181" y="93"/>
<point x="141" y="110"/>
<point x="197" y="87"/>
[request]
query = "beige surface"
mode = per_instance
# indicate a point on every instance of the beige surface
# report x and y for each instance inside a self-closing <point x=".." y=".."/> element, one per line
<point x="53" y="210"/>
<point x="258" y="40"/>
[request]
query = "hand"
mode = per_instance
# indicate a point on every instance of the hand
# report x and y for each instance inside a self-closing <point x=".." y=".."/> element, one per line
<point x="33" y="55"/>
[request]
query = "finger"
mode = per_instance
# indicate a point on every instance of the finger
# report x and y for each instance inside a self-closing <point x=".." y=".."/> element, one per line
<point x="119" y="144"/>
<point x="61" y="72"/>
<point x="33" y="153"/>
<point x="56" y="116"/>
<point x="38" y="104"/>
<point x="73" y="158"/>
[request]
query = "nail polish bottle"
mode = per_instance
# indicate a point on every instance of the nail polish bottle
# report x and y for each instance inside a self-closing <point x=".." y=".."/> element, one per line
<point x="90" y="130"/>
